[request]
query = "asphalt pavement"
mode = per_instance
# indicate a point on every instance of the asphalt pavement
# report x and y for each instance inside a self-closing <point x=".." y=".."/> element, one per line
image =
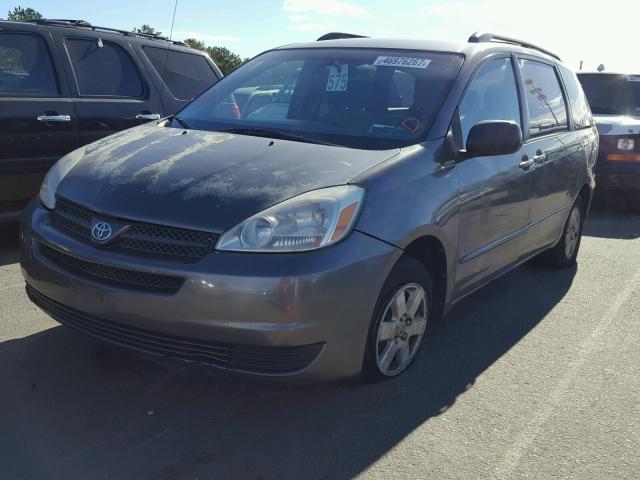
<point x="537" y="376"/>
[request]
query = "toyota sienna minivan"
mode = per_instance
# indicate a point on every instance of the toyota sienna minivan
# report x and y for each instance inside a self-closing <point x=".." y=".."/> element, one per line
<point x="314" y="214"/>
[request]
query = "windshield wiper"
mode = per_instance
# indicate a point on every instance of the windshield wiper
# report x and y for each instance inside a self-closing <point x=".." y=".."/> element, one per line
<point x="278" y="134"/>
<point x="181" y="121"/>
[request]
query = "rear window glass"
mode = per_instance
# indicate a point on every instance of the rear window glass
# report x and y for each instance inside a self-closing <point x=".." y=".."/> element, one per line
<point x="547" y="110"/>
<point x="612" y="94"/>
<point x="361" y="98"/>
<point x="186" y="75"/>
<point x="25" y="66"/>
<point x="103" y="68"/>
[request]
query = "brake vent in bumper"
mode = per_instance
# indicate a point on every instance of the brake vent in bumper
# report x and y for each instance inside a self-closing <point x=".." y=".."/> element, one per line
<point x="119" y="277"/>
<point x="244" y="358"/>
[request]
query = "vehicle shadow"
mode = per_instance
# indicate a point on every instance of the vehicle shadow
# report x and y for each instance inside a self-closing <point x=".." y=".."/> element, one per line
<point x="608" y="219"/>
<point x="8" y="243"/>
<point x="76" y="408"/>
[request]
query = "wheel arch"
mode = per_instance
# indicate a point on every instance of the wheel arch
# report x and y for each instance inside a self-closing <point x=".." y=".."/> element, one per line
<point x="431" y="253"/>
<point x="586" y="194"/>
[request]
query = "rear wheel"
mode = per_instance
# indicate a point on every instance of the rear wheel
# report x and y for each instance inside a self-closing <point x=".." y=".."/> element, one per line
<point x="400" y="322"/>
<point x="564" y="254"/>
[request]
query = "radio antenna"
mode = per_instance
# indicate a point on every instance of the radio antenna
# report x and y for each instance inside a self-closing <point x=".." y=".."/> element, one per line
<point x="166" y="56"/>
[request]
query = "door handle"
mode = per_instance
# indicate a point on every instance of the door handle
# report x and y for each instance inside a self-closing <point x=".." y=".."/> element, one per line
<point x="53" y="118"/>
<point x="148" y="116"/>
<point x="539" y="157"/>
<point x="526" y="163"/>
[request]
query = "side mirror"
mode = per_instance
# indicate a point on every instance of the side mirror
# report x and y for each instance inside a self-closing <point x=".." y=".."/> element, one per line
<point x="493" y="138"/>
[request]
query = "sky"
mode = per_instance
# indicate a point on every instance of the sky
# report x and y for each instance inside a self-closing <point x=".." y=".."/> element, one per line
<point x="594" y="32"/>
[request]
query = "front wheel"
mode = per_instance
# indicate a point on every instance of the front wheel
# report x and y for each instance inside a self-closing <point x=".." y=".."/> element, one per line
<point x="564" y="254"/>
<point x="400" y="322"/>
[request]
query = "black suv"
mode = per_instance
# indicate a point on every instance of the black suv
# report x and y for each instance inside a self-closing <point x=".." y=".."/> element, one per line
<point x="66" y="83"/>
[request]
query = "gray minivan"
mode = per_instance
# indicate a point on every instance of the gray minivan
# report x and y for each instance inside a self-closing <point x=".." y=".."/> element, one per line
<point x="315" y="213"/>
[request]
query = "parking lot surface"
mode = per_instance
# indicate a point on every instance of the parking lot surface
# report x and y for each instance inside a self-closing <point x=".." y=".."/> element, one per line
<point x="535" y="376"/>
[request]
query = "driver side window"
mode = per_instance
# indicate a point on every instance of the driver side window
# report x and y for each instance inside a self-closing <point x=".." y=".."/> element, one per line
<point x="492" y="95"/>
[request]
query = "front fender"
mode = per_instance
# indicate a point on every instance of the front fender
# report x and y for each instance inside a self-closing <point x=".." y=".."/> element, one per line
<point x="412" y="196"/>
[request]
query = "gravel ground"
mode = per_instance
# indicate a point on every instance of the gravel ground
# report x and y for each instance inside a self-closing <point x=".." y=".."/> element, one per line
<point x="535" y="376"/>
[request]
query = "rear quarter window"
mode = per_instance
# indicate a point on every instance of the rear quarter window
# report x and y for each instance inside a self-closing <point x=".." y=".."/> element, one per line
<point x="186" y="75"/>
<point x="580" y="112"/>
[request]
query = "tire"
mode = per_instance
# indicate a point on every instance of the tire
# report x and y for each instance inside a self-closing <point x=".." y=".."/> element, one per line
<point x="633" y="202"/>
<point x="394" y="339"/>
<point x="564" y="254"/>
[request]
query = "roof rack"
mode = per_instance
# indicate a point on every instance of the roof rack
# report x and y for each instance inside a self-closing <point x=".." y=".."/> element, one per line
<point x="490" y="37"/>
<point x="84" y="24"/>
<point x="337" y="35"/>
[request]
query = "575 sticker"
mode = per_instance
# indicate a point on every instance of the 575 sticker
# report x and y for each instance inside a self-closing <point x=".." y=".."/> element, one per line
<point x="338" y="78"/>
<point x="407" y="62"/>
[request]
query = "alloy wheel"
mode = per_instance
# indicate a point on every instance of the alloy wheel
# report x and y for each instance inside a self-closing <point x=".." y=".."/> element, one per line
<point x="401" y="329"/>
<point x="573" y="232"/>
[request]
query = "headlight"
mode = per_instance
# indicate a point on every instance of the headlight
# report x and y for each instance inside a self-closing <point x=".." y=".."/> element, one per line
<point x="312" y="220"/>
<point x="56" y="174"/>
<point x="626" y="144"/>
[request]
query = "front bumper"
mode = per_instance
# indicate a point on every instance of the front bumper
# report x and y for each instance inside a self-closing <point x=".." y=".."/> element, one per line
<point x="303" y="315"/>
<point x="619" y="182"/>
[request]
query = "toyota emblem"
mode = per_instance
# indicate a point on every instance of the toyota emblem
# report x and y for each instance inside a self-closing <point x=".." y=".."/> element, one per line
<point x="101" y="231"/>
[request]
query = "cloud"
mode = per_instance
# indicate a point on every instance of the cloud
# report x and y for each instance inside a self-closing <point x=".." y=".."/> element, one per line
<point x="314" y="26"/>
<point x="300" y="18"/>
<point x="546" y="24"/>
<point x="205" y="37"/>
<point x="333" y="8"/>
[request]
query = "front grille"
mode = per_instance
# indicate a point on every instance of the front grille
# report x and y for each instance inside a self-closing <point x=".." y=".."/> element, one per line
<point x="119" y="277"/>
<point x="141" y="237"/>
<point x="245" y="358"/>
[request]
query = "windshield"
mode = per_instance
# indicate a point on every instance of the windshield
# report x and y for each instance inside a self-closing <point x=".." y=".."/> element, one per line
<point x="610" y="94"/>
<point x="359" y="98"/>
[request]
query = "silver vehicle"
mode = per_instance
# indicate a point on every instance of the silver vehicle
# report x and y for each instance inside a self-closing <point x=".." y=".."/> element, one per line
<point x="315" y="213"/>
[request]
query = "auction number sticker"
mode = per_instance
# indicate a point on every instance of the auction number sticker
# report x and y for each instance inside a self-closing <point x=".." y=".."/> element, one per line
<point x="338" y="78"/>
<point x="633" y="78"/>
<point x="407" y="62"/>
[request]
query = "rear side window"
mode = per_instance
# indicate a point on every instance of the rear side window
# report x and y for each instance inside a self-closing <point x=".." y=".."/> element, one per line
<point x="185" y="74"/>
<point x="492" y="95"/>
<point x="25" y="66"/>
<point x="580" y="112"/>
<point x="103" y="69"/>
<point x="547" y="110"/>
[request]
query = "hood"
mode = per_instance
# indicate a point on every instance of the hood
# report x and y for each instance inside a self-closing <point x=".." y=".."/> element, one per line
<point x="204" y="180"/>
<point x="617" y="124"/>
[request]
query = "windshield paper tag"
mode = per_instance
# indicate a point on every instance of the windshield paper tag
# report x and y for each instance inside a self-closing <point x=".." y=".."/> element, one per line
<point x="407" y="62"/>
<point x="338" y="78"/>
<point x="633" y="78"/>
